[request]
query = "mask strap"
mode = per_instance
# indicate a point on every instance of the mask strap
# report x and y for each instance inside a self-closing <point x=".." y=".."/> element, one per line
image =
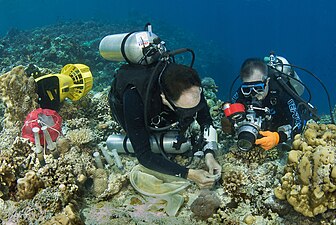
<point x="163" y="89"/>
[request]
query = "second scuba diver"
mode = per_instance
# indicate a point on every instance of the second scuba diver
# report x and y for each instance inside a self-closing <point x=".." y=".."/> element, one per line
<point x="273" y="114"/>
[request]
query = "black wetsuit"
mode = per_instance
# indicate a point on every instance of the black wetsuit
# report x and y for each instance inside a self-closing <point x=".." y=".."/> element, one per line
<point x="131" y="117"/>
<point x="283" y="110"/>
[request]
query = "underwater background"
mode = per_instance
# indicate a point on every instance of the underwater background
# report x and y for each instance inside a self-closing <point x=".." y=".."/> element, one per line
<point x="75" y="185"/>
<point x="230" y="31"/>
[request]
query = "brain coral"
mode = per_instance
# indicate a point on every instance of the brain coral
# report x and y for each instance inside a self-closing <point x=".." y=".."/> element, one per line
<point x="309" y="184"/>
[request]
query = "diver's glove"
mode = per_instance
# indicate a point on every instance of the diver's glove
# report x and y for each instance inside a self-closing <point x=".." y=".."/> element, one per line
<point x="269" y="140"/>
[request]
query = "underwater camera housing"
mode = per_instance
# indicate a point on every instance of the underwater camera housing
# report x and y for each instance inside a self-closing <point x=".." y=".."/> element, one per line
<point x="143" y="47"/>
<point x="246" y="124"/>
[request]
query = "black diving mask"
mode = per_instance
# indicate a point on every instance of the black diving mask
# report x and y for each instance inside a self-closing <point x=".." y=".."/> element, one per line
<point x="187" y="115"/>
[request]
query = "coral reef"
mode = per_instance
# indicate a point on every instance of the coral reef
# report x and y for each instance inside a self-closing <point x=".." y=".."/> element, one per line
<point x="215" y="105"/>
<point x="17" y="91"/>
<point x="58" y="44"/>
<point x="73" y="192"/>
<point x="309" y="183"/>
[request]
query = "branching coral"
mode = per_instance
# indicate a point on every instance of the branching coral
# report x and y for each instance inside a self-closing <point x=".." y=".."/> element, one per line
<point x="7" y="178"/>
<point x="210" y="90"/>
<point x="67" y="173"/>
<point x="14" y="161"/>
<point x="233" y="181"/>
<point x="80" y="136"/>
<point x="257" y="154"/>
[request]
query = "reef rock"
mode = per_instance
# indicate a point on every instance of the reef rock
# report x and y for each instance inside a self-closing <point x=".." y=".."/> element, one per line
<point x="205" y="205"/>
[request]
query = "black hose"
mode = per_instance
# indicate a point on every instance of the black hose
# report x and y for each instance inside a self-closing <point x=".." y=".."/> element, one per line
<point x="299" y="81"/>
<point x="160" y="129"/>
<point x="323" y="86"/>
<point x="147" y="96"/>
<point x="230" y="93"/>
<point x="164" y="59"/>
<point x="296" y="96"/>
<point x="146" y="26"/>
<point x="183" y="50"/>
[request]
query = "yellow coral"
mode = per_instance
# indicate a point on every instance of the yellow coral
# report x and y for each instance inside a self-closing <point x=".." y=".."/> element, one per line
<point x="309" y="184"/>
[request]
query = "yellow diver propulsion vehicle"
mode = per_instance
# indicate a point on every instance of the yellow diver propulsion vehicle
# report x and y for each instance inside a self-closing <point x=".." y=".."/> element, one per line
<point x="73" y="82"/>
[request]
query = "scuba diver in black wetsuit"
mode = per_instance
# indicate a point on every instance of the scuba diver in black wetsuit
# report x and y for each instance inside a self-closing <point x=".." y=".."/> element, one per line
<point x="272" y="114"/>
<point x="148" y="97"/>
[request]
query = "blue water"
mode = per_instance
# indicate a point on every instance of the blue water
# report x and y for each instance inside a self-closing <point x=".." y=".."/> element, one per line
<point x="302" y="31"/>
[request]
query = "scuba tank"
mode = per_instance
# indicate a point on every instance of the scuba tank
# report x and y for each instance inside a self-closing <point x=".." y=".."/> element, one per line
<point x="289" y="80"/>
<point x="281" y="64"/>
<point x="143" y="47"/>
<point x="166" y="140"/>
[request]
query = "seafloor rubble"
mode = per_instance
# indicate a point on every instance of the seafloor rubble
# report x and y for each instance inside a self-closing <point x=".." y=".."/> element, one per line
<point x="257" y="187"/>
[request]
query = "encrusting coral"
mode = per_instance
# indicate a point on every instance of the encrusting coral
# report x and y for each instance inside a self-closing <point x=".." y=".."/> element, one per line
<point x="69" y="216"/>
<point x="28" y="186"/>
<point x="309" y="184"/>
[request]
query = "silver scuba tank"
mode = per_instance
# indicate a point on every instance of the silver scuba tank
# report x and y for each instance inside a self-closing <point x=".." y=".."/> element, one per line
<point x="280" y="63"/>
<point x="299" y="88"/>
<point x="120" y="142"/>
<point x="128" y="47"/>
